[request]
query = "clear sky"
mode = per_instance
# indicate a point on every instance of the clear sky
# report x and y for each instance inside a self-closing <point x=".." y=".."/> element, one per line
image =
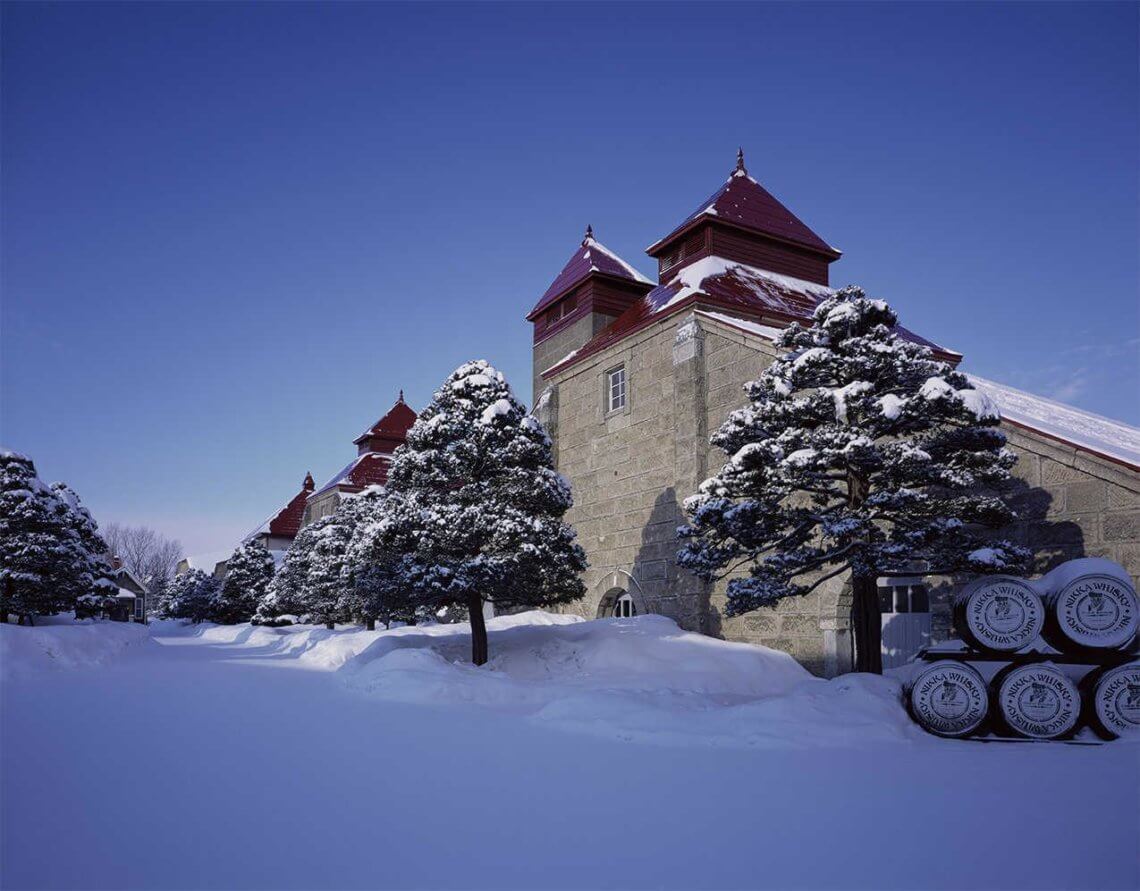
<point x="232" y="232"/>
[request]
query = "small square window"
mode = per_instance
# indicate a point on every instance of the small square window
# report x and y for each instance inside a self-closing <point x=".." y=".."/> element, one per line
<point x="615" y="389"/>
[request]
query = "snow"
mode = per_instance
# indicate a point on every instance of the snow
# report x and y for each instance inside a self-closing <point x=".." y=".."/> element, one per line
<point x="208" y="561"/>
<point x="593" y="244"/>
<point x="586" y="754"/>
<point x="1081" y="428"/>
<point x="60" y="643"/>
<point x="494" y="410"/>
<point x="766" y="331"/>
<point x="891" y="406"/>
<point x="691" y="277"/>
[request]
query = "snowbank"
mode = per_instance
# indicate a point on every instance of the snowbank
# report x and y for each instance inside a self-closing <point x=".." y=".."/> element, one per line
<point x="642" y="678"/>
<point x="65" y="644"/>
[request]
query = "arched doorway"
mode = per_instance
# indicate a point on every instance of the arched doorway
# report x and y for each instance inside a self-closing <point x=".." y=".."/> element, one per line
<point x="619" y="596"/>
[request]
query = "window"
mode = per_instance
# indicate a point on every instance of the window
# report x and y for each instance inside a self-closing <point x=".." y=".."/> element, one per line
<point x="563" y="309"/>
<point x="624" y="608"/>
<point x="138" y="607"/>
<point x="615" y="389"/>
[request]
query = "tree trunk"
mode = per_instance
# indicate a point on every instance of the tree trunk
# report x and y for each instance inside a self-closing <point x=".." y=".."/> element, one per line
<point x="868" y="625"/>
<point x="478" y="630"/>
<point x="370" y="623"/>
<point x="330" y="625"/>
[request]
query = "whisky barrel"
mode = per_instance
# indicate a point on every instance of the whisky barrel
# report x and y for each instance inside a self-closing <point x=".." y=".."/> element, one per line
<point x="948" y="698"/>
<point x="999" y="613"/>
<point x="1037" y="700"/>
<point x="1112" y="700"/>
<point x="1090" y="605"/>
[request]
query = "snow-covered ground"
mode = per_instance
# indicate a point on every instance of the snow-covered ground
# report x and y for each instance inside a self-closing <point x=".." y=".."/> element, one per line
<point x="617" y="753"/>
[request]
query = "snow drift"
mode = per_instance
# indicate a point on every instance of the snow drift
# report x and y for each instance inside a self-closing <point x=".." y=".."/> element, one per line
<point x="66" y="644"/>
<point x="642" y="678"/>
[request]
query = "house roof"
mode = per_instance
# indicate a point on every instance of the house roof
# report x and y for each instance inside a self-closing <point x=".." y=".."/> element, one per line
<point x="369" y="469"/>
<point x="743" y="202"/>
<point x="394" y="425"/>
<point x="287" y="521"/>
<point x="591" y="258"/>
<point x="1090" y="432"/>
<point x="721" y="283"/>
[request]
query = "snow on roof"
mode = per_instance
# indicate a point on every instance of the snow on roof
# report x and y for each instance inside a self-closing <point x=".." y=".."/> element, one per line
<point x="732" y="286"/>
<point x="591" y="257"/>
<point x="123" y="592"/>
<point x="1082" y="429"/>
<point x="766" y="331"/>
<point x="207" y="561"/>
<point x="365" y="470"/>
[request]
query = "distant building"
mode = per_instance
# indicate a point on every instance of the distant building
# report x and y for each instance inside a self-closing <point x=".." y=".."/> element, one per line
<point x="630" y="378"/>
<point x="374" y="448"/>
<point x="369" y="468"/>
<point x="278" y="532"/>
<point x="127" y="604"/>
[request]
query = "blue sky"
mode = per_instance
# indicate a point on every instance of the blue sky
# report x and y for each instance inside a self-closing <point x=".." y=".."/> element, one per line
<point x="232" y="232"/>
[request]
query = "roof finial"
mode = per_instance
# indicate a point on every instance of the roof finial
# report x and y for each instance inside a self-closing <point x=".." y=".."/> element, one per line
<point x="740" y="169"/>
<point x="589" y="234"/>
<point x="401" y="399"/>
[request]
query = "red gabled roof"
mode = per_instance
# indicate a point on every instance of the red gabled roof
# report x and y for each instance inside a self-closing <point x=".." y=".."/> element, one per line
<point x="592" y="258"/>
<point x="743" y="202"/>
<point x="393" y="426"/>
<point x="287" y="521"/>
<point x="714" y="281"/>
<point x="369" y="469"/>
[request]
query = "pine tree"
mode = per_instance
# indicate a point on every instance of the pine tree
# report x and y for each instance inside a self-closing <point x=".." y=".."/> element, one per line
<point x="248" y="574"/>
<point x="328" y="576"/>
<point x="286" y="592"/>
<point x="376" y="571"/>
<point x="193" y="595"/>
<point x="476" y="508"/>
<point x="44" y="565"/>
<point x="858" y="452"/>
<point x="96" y="576"/>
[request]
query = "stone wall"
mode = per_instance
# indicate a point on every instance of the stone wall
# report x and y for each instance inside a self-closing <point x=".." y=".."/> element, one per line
<point x="632" y="469"/>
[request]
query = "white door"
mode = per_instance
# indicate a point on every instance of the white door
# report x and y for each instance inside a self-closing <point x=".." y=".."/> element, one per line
<point x="624" y="608"/>
<point x="904" y="605"/>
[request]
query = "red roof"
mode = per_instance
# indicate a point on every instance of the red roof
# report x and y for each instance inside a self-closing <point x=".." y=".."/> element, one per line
<point x="369" y="469"/>
<point x="287" y="521"/>
<point x="714" y="281"/>
<point x="743" y="202"/>
<point x="592" y="258"/>
<point x="391" y="430"/>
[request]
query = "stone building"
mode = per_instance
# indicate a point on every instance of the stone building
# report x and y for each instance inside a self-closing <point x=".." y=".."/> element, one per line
<point x="630" y="378"/>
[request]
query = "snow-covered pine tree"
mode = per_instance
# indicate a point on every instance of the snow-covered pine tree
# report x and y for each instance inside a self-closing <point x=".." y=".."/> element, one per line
<point x="44" y="565"/>
<point x="286" y="592"/>
<point x="97" y="577"/>
<point x="328" y="575"/>
<point x="476" y="507"/>
<point x="861" y="452"/>
<point x="192" y="596"/>
<point x="377" y="576"/>
<point x="248" y="574"/>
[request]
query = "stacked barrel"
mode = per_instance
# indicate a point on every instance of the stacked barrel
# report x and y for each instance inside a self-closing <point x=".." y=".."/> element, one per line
<point x="1042" y="659"/>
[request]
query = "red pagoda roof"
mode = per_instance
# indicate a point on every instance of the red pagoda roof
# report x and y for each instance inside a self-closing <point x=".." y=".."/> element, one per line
<point x="592" y="258"/>
<point x="744" y="203"/>
<point x="391" y="430"/>
<point x="287" y="521"/>
<point x="745" y="290"/>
